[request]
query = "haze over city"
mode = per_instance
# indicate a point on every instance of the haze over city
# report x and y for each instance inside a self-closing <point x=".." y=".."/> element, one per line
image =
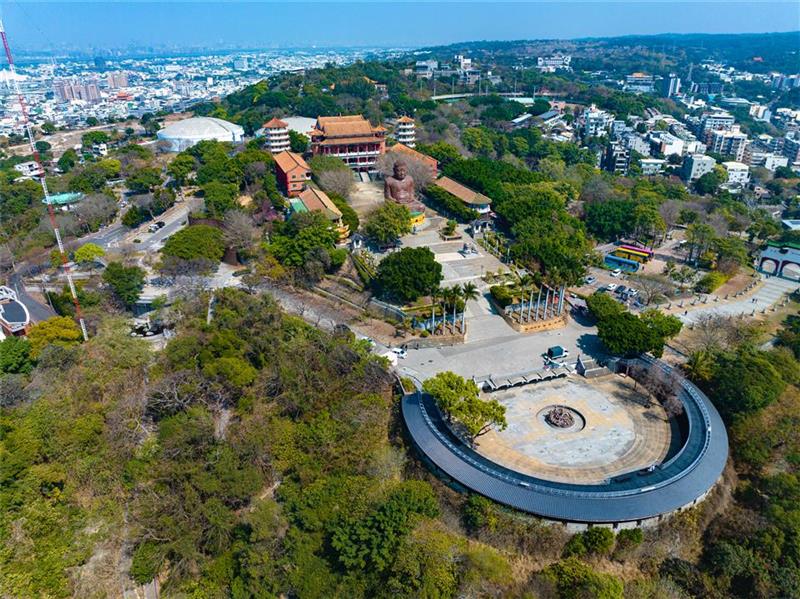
<point x="179" y="25"/>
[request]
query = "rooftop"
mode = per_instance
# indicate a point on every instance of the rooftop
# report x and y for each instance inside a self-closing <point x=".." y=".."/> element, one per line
<point x="287" y="161"/>
<point x="316" y="199"/>
<point x="348" y="126"/>
<point x="275" y="123"/>
<point x="462" y="192"/>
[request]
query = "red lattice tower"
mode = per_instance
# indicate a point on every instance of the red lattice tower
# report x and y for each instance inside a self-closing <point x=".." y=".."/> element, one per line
<point x="29" y="130"/>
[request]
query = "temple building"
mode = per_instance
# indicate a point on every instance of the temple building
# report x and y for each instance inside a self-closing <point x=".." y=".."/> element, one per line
<point x="276" y="136"/>
<point x="313" y="199"/>
<point x="351" y="138"/>
<point x="292" y="173"/>
<point x="405" y="131"/>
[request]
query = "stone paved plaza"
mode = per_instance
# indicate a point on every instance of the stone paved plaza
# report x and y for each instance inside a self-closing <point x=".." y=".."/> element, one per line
<point x="618" y="432"/>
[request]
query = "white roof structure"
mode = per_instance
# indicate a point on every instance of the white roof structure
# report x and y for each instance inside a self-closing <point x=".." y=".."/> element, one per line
<point x="186" y="133"/>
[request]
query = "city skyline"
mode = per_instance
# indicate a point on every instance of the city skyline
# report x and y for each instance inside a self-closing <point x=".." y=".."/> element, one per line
<point x="217" y="25"/>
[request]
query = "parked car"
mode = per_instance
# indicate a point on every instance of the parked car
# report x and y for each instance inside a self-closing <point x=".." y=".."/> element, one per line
<point x="590" y="280"/>
<point x="616" y="272"/>
<point x="160" y="224"/>
<point x="633" y="292"/>
<point x="399" y="352"/>
<point x="621" y="290"/>
<point x="611" y="286"/>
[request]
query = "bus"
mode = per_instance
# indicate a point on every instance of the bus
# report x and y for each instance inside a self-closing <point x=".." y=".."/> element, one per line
<point x="622" y="263"/>
<point x="633" y="253"/>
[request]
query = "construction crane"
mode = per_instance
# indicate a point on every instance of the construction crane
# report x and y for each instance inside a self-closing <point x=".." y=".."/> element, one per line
<point x="40" y="169"/>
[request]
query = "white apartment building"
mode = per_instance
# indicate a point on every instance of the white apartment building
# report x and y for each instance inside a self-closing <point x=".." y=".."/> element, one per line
<point x="596" y="122"/>
<point x="665" y="143"/>
<point x="738" y="173"/>
<point x="728" y="143"/>
<point x="697" y="165"/>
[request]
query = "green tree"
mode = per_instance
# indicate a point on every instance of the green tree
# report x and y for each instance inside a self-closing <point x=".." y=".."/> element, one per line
<point x="298" y="142"/>
<point x="48" y="128"/>
<point x="144" y="179"/>
<point x="61" y="331"/>
<point x="181" y="167"/>
<point x="478" y="140"/>
<point x="94" y="137"/>
<point x="126" y="282"/>
<point x="388" y="223"/>
<point x="15" y="356"/>
<point x="574" y="579"/>
<point x="219" y="197"/>
<point x="459" y="400"/>
<point x="302" y="237"/>
<point x="88" y="252"/>
<point x="196" y="241"/>
<point x="68" y="160"/>
<point x="409" y="274"/>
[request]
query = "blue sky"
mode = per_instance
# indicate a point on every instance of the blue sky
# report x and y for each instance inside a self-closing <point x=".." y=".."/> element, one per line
<point x="232" y="24"/>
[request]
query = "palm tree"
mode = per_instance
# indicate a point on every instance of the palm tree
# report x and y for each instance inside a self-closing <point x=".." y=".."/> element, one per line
<point x="469" y="292"/>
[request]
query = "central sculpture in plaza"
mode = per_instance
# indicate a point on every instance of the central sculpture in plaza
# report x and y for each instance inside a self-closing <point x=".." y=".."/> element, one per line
<point x="399" y="187"/>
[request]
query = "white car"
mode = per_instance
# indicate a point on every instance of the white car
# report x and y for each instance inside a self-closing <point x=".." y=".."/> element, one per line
<point x="611" y="286"/>
<point x="616" y="272"/>
<point x="589" y="280"/>
<point x="399" y="352"/>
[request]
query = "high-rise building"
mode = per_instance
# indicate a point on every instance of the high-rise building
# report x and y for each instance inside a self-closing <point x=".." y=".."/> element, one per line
<point x="405" y="131"/>
<point x="241" y="64"/>
<point x="728" y="143"/>
<point x="738" y="173"/>
<point x="117" y="80"/>
<point x="351" y="138"/>
<point x="616" y="159"/>
<point x="791" y="148"/>
<point x="596" y="122"/>
<point x="671" y="85"/>
<point x="714" y="121"/>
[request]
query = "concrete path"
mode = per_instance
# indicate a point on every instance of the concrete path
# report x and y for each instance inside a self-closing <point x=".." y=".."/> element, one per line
<point x="771" y="292"/>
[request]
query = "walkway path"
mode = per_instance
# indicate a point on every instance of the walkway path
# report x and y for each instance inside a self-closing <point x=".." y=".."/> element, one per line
<point x="771" y="292"/>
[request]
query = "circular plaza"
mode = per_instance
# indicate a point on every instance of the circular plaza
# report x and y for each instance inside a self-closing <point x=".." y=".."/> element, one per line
<point x="580" y="431"/>
<point x="583" y="451"/>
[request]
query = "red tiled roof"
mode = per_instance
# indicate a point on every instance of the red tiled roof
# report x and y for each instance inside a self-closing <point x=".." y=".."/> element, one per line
<point x="353" y="125"/>
<point x="316" y="199"/>
<point x="288" y="161"/>
<point x="275" y="124"/>
<point x="412" y="153"/>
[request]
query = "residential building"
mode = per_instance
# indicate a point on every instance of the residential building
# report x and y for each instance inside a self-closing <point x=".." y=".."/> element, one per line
<point x="639" y="82"/>
<point x="767" y="160"/>
<point x="117" y="80"/>
<point x="471" y="198"/>
<point x="636" y="143"/>
<point x="292" y="173"/>
<point x="728" y="143"/>
<point x="664" y="143"/>
<point x="425" y="68"/>
<point x="556" y="62"/>
<point x="596" y="122"/>
<point x="405" y="132"/>
<point x="616" y="159"/>
<point x="697" y="165"/>
<point x="276" y="136"/>
<point x="738" y="173"/>
<point x="791" y="147"/>
<point x="760" y="112"/>
<point x="714" y="121"/>
<point x="428" y="161"/>
<point x="316" y="200"/>
<point x="241" y="64"/>
<point x="671" y="85"/>
<point x="351" y="138"/>
<point x="652" y="166"/>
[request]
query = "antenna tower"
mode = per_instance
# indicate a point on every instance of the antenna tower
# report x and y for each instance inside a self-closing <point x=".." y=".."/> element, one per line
<point x="36" y="158"/>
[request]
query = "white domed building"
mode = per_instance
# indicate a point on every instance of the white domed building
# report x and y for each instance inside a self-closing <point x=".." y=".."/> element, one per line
<point x="186" y="133"/>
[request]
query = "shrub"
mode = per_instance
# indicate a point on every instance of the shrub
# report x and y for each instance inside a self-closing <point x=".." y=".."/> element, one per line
<point x="710" y="282"/>
<point x="196" y="241"/>
<point x="628" y="538"/>
<point x="502" y="295"/>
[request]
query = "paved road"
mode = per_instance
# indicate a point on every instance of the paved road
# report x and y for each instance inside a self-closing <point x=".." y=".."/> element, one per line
<point x="768" y="294"/>
<point x="38" y="312"/>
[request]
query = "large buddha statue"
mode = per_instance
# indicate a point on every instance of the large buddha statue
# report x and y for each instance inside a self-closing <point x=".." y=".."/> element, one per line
<point x="399" y="187"/>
